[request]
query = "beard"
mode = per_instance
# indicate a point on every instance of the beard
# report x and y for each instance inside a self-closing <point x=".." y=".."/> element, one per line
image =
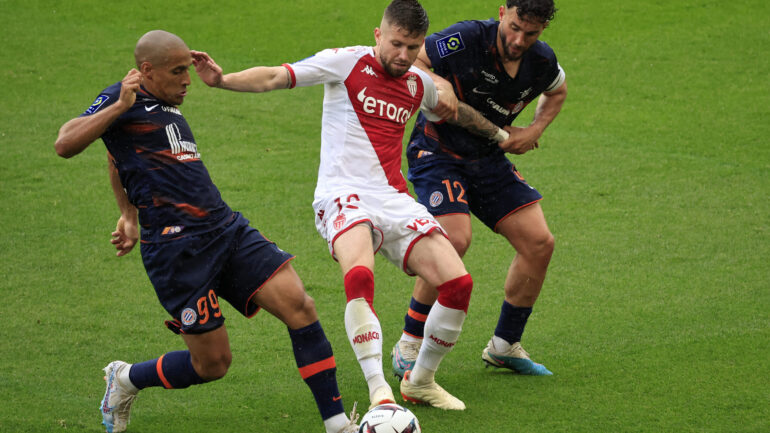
<point x="392" y="69"/>
<point x="507" y="53"/>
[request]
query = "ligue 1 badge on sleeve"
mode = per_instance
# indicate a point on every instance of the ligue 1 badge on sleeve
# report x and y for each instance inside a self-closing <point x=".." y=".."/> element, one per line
<point x="98" y="102"/>
<point x="449" y="45"/>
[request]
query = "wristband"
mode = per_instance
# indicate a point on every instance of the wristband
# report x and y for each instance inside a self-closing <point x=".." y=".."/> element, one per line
<point x="501" y="135"/>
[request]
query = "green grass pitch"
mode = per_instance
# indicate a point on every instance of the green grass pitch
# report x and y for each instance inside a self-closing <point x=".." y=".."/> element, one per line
<point x="655" y="316"/>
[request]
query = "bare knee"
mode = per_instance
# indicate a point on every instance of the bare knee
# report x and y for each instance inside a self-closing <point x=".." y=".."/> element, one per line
<point x="461" y="243"/>
<point x="213" y="366"/>
<point x="541" y="247"/>
<point x="301" y="312"/>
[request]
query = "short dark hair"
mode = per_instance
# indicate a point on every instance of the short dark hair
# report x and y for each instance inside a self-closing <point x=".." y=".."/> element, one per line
<point x="542" y="10"/>
<point x="409" y="15"/>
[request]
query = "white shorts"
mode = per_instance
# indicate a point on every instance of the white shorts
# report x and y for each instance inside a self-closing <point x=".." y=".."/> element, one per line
<point x="396" y="219"/>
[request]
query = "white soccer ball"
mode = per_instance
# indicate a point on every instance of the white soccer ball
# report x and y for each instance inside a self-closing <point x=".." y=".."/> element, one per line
<point x="389" y="418"/>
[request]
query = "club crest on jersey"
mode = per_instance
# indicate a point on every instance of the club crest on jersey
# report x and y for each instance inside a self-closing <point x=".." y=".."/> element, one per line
<point x="436" y="199"/>
<point x="449" y="45"/>
<point x="411" y="84"/>
<point x="339" y="221"/>
<point x="188" y="316"/>
<point x="98" y="102"/>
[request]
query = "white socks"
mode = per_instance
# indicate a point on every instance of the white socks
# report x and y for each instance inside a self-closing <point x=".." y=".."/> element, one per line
<point x="442" y="329"/>
<point x="500" y="345"/>
<point x="365" y="336"/>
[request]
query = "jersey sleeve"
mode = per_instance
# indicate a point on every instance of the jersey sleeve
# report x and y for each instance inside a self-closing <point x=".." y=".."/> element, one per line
<point x="106" y="98"/>
<point x="558" y="81"/>
<point x="429" y="97"/>
<point x="452" y="42"/>
<point x="553" y="74"/>
<point x="327" y="66"/>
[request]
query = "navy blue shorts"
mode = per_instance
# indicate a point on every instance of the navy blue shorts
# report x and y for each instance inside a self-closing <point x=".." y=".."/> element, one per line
<point x="192" y="273"/>
<point x="491" y="187"/>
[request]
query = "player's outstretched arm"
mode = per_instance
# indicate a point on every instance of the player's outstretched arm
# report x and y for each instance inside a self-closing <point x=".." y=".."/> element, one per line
<point x="257" y="80"/>
<point x="77" y="134"/>
<point x="476" y="123"/>
<point x="454" y="111"/>
<point x="126" y="232"/>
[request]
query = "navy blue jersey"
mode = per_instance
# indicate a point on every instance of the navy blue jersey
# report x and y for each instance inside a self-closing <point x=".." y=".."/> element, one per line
<point x="466" y="55"/>
<point x="160" y="168"/>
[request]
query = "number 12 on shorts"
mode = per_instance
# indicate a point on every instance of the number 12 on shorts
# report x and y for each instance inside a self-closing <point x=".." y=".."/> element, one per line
<point x="457" y="187"/>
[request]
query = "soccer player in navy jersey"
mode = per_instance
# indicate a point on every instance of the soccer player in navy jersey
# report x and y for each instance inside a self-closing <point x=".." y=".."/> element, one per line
<point x="196" y="250"/>
<point x="496" y="67"/>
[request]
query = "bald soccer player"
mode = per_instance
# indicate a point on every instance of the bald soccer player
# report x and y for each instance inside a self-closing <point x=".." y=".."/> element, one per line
<point x="196" y="250"/>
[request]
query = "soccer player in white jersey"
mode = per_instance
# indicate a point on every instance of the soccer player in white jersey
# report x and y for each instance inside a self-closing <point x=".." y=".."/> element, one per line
<point x="361" y="200"/>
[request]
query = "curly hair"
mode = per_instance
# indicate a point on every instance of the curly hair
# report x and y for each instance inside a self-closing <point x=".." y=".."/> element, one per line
<point x="542" y="10"/>
<point x="409" y="15"/>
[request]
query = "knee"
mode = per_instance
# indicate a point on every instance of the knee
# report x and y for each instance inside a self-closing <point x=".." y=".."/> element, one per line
<point x="456" y="294"/>
<point x="461" y="243"/>
<point x="306" y="306"/>
<point x="214" y="367"/>
<point x="541" y="247"/>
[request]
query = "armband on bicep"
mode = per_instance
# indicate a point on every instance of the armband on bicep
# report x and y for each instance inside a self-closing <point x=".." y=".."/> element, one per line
<point x="558" y="81"/>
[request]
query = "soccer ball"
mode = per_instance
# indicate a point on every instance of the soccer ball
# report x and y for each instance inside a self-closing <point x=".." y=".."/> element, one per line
<point x="389" y="418"/>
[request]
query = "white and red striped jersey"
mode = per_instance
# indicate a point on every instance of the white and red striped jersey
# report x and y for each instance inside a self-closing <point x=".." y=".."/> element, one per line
<point x="365" y="111"/>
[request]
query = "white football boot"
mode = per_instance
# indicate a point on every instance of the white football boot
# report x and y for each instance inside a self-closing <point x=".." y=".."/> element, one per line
<point x="515" y="358"/>
<point x="117" y="401"/>
<point x="380" y="396"/>
<point x="430" y="393"/>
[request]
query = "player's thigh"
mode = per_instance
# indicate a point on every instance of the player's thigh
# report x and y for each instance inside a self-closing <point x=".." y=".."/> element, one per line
<point x="344" y="220"/>
<point x="497" y="190"/>
<point x="440" y="185"/>
<point x="526" y="229"/>
<point x="186" y="274"/>
<point x="458" y="228"/>
<point x="434" y="260"/>
<point x="284" y="296"/>
<point x="209" y="352"/>
<point x="354" y="247"/>
<point x="252" y="262"/>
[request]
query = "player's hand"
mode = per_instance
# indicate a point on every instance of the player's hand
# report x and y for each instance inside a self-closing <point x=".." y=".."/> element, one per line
<point x="446" y="107"/>
<point x="125" y="236"/>
<point x="520" y="140"/>
<point x="206" y="68"/>
<point x="129" y="86"/>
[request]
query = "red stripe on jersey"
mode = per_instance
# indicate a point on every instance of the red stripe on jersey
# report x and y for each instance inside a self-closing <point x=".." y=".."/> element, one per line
<point x="384" y="104"/>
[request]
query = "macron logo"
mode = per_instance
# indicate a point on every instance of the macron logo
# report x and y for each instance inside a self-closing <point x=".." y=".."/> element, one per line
<point x="441" y="342"/>
<point x="383" y="109"/>
<point x="368" y="69"/>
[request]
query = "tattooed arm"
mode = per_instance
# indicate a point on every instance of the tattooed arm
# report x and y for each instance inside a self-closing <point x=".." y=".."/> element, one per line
<point x="471" y="120"/>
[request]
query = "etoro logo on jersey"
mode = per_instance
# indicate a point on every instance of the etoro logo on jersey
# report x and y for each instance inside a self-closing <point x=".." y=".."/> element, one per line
<point x="384" y="109"/>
